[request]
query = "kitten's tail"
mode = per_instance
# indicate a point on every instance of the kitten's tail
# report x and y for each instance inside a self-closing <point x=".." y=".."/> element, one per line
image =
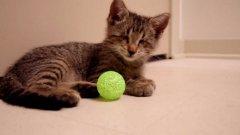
<point x="1" y="82"/>
<point x="9" y="87"/>
<point x="3" y="86"/>
<point x="13" y="92"/>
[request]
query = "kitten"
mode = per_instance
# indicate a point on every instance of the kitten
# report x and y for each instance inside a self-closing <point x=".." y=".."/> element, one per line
<point x="57" y="76"/>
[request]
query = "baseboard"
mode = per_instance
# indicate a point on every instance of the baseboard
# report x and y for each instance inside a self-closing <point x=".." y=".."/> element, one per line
<point x="177" y="56"/>
<point x="205" y="55"/>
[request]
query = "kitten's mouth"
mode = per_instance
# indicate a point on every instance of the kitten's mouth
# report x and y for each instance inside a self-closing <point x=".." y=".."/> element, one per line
<point x="131" y="57"/>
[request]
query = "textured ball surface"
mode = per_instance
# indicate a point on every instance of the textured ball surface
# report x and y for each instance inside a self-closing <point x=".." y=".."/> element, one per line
<point x="111" y="85"/>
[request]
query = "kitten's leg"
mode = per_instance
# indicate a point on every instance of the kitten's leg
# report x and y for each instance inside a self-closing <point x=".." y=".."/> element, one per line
<point x="86" y="89"/>
<point x="37" y="95"/>
<point x="140" y="87"/>
<point x="65" y="97"/>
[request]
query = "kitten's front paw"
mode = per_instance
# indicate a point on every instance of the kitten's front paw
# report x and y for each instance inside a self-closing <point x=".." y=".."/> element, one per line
<point x="68" y="98"/>
<point x="88" y="92"/>
<point x="140" y="88"/>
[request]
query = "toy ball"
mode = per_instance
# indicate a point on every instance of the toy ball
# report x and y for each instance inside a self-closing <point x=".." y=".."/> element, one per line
<point x="111" y="85"/>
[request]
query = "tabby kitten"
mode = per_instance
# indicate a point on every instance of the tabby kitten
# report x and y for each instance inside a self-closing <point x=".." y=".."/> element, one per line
<point x="57" y="76"/>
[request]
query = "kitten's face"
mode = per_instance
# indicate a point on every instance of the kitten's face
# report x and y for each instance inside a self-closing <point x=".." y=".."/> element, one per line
<point x="134" y="36"/>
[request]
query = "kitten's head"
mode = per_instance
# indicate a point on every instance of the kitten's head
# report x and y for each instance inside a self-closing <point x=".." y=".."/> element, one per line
<point x="134" y="36"/>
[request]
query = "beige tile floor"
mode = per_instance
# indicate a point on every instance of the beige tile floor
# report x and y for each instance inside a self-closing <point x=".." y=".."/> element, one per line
<point x="193" y="97"/>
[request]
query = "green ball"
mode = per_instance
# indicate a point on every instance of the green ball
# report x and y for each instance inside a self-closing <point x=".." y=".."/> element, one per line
<point x="111" y="85"/>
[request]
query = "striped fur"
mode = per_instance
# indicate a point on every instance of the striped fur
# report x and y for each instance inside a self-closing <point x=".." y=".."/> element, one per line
<point x="56" y="76"/>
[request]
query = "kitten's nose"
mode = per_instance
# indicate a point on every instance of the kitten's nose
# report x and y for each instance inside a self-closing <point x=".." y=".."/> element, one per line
<point x="132" y="49"/>
<point x="131" y="53"/>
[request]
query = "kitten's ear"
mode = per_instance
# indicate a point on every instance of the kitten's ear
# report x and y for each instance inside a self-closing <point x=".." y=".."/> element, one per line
<point x="118" y="12"/>
<point x="160" y="22"/>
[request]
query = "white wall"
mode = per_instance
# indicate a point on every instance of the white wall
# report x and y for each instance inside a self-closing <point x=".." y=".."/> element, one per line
<point x="177" y="44"/>
<point x="205" y="28"/>
<point x="210" y="19"/>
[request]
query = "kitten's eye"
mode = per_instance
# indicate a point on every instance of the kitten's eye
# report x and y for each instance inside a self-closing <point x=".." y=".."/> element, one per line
<point x="126" y="38"/>
<point x="141" y="41"/>
<point x="144" y="43"/>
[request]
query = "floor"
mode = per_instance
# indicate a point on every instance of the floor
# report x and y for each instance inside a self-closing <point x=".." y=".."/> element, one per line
<point x="193" y="97"/>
